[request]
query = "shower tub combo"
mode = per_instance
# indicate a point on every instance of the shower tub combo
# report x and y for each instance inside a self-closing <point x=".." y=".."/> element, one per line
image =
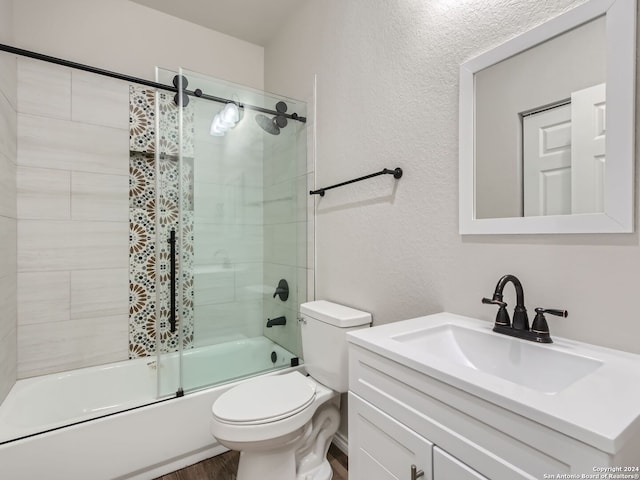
<point x="145" y="441"/>
<point x="202" y="253"/>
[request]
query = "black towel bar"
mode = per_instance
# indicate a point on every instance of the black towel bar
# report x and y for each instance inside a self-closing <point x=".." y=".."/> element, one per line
<point x="397" y="173"/>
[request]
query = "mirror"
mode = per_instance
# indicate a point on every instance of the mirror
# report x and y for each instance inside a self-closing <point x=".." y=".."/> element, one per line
<point x="547" y="127"/>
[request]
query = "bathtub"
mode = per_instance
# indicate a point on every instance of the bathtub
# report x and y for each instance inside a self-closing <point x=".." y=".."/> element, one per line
<point x="147" y="440"/>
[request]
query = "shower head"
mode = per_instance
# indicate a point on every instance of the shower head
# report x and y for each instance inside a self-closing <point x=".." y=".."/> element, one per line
<point x="268" y="124"/>
<point x="273" y="125"/>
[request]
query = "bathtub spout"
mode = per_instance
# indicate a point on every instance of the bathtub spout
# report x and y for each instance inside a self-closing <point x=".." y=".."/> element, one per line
<point x="276" y="321"/>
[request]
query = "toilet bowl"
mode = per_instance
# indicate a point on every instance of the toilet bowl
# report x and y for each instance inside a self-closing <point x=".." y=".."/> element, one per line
<point x="283" y="424"/>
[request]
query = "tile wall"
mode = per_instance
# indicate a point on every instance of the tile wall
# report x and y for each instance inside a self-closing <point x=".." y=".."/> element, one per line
<point x="86" y="177"/>
<point x="8" y="223"/>
<point x="73" y="218"/>
<point x="149" y="248"/>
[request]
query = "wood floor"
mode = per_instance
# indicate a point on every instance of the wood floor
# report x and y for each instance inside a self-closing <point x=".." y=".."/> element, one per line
<point x="223" y="467"/>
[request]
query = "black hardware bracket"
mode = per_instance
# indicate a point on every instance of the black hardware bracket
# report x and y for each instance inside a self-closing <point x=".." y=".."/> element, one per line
<point x="397" y="173"/>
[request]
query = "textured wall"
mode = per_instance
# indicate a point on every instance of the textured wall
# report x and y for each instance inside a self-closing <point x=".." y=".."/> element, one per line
<point x="8" y="254"/>
<point x="387" y="81"/>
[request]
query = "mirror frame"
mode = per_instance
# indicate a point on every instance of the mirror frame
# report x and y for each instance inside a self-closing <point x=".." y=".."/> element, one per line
<point x="618" y="216"/>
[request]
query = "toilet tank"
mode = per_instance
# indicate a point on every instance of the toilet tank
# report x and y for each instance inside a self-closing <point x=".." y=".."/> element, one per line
<point x="324" y="327"/>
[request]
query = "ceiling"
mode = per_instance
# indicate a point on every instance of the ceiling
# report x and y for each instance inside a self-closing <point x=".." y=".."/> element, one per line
<point x="256" y="21"/>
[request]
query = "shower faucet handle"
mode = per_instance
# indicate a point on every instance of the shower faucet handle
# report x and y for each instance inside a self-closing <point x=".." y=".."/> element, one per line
<point x="282" y="290"/>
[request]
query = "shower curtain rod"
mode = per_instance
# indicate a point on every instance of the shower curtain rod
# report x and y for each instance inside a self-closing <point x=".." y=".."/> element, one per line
<point x="128" y="78"/>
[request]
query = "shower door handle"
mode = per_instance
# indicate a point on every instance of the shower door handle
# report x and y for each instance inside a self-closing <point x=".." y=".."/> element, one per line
<point x="172" y="274"/>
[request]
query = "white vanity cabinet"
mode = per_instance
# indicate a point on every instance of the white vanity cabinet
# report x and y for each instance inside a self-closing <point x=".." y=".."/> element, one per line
<point x="385" y="449"/>
<point x="399" y="416"/>
<point x="446" y="467"/>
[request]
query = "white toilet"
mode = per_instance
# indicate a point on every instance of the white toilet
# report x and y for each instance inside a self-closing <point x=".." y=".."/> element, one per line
<point x="283" y="424"/>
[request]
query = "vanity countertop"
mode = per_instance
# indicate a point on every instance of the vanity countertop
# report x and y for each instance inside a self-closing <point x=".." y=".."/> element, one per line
<point x="587" y="392"/>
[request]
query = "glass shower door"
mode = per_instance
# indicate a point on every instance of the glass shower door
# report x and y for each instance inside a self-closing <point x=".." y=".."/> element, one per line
<point x="243" y="229"/>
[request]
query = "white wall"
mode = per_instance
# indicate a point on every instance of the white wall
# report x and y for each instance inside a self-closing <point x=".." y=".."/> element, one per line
<point x="131" y="39"/>
<point x="387" y="75"/>
<point x="8" y="255"/>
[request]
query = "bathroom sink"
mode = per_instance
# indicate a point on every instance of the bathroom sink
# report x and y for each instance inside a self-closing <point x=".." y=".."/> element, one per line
<point x="585" y="391"/>
<point x="527" y="364"/>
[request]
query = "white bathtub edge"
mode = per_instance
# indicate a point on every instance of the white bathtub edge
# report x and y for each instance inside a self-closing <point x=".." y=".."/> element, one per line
<point x="177" y="464"/>
<point x="140" y="444"/>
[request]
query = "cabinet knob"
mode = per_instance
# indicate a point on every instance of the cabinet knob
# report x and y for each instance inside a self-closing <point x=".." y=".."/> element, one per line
<point x="415" y="473"/>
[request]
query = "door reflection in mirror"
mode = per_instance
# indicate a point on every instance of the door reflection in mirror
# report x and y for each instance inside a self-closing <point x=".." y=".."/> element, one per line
<point x="563" y="151"/>
<point x="549" y="74"/>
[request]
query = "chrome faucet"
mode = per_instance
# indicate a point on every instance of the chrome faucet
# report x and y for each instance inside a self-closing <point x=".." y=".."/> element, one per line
<point x="539" y="331"/>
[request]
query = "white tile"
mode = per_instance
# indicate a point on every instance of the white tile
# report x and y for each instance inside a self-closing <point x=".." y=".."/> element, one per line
<point x="226" y="321"/>
<point x="281" y="162"/>
<point x="280" y="203"/>
<point x="60" y="245"/>
<point x="214" y="284"/>
<point x="240" y="243"/>
<point x="228" y="164"/>
<point x="250" y="282"/>
<point x="8" y="130"/>
<point x="8" y="304"/>
<point x="214" y="203"/>
<point x="99" y="100"/>
<point x="44" y="194"/>
<point x="43" y="297"/>
<point x="99" y="293"/>
<point x="52" y="143"/>
<point x="8" y="362"/>
<point x="8" y="245"/>
<point x="44" y="89"/>
<point x="99" y="197"/>
<point x="60" y="346"/>
<point x="8" y="203"/>
<point x="230" y="204"/>
<point x="281" y="245"/>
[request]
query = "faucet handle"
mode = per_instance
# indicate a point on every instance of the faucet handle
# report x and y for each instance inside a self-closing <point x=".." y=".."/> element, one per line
<point x="502" y="317"/>
<point x="553" y="311"/>
<point x="540" y="325"/>
<point x="494" y="302"/>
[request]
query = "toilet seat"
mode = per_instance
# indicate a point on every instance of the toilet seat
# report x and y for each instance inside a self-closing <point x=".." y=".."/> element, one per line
<point x="265" y="399"/>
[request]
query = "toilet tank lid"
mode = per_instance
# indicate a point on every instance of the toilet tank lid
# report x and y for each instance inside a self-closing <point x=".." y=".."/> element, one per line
<point x="334" y="314"/>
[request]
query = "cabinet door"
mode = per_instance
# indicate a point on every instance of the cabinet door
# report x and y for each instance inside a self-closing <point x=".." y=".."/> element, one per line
<point x="381" y="448"/>
<point x="445" y="467"/>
